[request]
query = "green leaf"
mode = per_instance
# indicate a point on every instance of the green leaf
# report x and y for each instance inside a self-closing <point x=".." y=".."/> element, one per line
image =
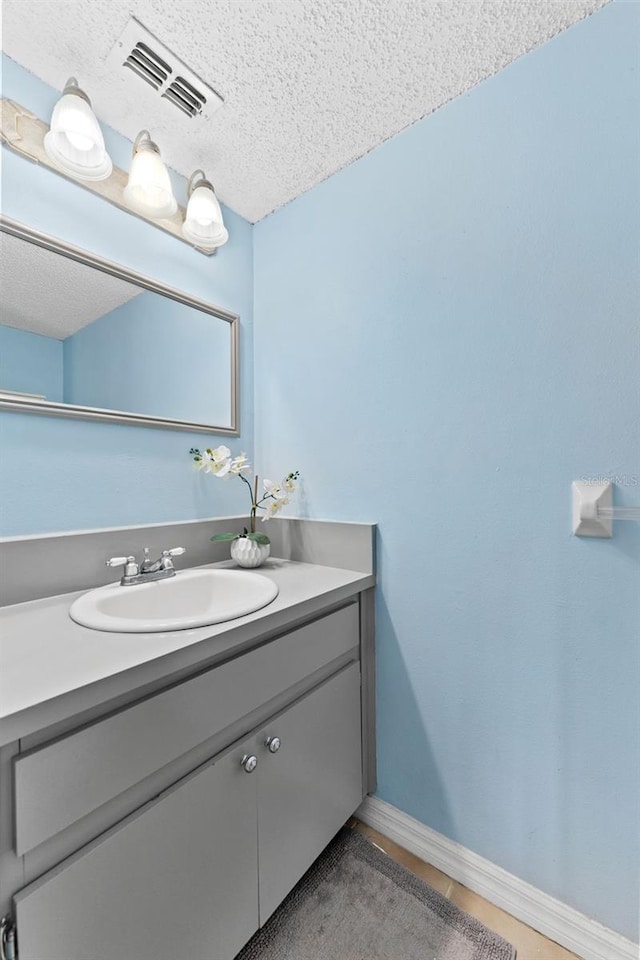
<point x="225" y="536"/>
<point x="260" y="538"/>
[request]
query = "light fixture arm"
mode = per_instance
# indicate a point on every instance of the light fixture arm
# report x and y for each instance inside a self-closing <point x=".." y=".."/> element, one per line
<point x="200" y="182"/>
<point x="73" y="87"/>
<point x="144" y="142"/>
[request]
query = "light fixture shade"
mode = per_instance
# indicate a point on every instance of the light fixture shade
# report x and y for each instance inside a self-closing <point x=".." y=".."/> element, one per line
<point x="148" y="190"/>
<point x="203" y="225"/>
<point x="74" y="141"/>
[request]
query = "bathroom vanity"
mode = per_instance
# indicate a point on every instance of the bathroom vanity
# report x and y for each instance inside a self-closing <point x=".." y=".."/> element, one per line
<point x="162" y="793"/>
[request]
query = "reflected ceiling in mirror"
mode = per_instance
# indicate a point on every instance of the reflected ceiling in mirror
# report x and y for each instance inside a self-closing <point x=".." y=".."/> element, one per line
<point x="83" y="337"/>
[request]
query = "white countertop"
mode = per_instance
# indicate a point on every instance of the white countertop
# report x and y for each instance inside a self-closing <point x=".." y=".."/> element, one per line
<point x="52" y="668"/>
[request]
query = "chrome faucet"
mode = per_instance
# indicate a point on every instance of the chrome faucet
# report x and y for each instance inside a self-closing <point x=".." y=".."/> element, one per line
<point x="149" y="569"/>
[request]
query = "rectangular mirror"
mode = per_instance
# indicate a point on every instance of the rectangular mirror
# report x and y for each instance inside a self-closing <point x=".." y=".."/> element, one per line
<point x="83" y="337"/>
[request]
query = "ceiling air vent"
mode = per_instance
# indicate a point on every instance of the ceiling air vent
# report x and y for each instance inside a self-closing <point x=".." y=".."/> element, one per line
<point x="148" y="65"/>
<point x="138" y="55"/>
<point x="185" y="96"/>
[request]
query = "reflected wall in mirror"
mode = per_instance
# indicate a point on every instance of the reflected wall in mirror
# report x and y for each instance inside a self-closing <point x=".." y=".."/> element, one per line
<point x="83" y="337"/>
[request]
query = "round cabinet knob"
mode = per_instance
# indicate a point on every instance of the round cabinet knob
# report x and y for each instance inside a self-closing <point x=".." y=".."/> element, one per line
<point x="274" y="744"/>
<point x="249" y="763"/>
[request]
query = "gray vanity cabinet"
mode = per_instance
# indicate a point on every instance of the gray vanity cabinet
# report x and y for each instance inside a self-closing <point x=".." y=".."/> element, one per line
<point x="195" y="871"/>
<point x="310" y="786"/>
<point x="165" y="884"/>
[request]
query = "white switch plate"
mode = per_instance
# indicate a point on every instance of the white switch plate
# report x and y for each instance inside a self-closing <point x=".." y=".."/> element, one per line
<point x="587" y="497"/>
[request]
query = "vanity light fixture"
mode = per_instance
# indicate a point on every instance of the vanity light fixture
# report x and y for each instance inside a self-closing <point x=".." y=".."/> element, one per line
<point x="62" y="149"/>
<point x="149" y="188"/>
<point x="74" y="142"/>
<point x="203" y="224"/>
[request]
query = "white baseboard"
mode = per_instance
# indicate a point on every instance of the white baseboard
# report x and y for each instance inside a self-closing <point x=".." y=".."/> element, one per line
<point x="566" y="926"/>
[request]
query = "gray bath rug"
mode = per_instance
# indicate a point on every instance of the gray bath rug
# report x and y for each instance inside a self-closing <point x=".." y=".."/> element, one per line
<point x="355" y="903"/>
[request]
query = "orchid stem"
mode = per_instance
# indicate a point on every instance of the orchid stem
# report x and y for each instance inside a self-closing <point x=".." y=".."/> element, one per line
<point x="254" y="504"/>
<point x="252" y="493"/>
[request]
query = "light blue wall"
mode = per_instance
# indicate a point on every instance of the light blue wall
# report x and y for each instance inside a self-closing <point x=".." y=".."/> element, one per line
<point x="30" y="363"/>
<point x="446" y="338"/>
<point x="58" y="474"/>
<point x="152" y="355"/>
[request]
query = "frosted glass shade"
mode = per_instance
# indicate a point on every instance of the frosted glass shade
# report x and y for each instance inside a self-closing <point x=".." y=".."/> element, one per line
<point x="148" y="190"/>
<point x="203" y="225"/>
<point x="74" y="141"/>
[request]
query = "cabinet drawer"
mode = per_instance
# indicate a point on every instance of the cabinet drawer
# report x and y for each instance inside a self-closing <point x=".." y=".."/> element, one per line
<point x="58" y="784"/>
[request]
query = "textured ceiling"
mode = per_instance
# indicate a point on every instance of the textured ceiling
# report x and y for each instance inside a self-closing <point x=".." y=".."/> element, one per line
<point x="46" y="293"/>
<point x="309" y="85"/>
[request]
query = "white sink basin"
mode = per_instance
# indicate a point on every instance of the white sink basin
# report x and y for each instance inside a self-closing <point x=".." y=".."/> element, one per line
<point x="193" y="598"/>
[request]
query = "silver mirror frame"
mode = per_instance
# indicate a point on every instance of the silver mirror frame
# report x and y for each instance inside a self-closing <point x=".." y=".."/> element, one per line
<point x="50" y="408"/>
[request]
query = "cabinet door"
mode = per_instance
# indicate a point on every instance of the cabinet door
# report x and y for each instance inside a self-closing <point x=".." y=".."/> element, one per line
<point x="177" y="879"/>
<point x="310" y="786"/>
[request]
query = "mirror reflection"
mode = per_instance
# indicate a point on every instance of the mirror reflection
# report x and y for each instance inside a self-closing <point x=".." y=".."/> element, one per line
<point x="73" y="335"/>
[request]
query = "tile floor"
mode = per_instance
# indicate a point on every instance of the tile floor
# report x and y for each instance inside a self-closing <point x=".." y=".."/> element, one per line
<point x="529" y="944"/>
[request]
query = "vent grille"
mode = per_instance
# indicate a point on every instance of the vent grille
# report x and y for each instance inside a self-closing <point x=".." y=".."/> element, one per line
<point x="148" y="65"/>
<point x="185" y="96"/>
<point x="141" y="55"/>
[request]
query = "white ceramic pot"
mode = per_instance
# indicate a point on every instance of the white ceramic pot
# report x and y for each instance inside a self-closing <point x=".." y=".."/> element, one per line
<point x="248" y="553"/>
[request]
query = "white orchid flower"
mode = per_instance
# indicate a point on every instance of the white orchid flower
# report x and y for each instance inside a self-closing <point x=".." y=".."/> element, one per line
<point x="220" y="453"/>
<point x="204" y="462"/>
<point x="272" y="508"/>
<point x="274" y="490"/>
<point x="216" y="461"/>
<point x="238" y="464"/>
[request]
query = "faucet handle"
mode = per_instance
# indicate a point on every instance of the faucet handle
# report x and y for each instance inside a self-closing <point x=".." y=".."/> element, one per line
<point x="166" y="561"/>
<point x="129" y="564"/>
